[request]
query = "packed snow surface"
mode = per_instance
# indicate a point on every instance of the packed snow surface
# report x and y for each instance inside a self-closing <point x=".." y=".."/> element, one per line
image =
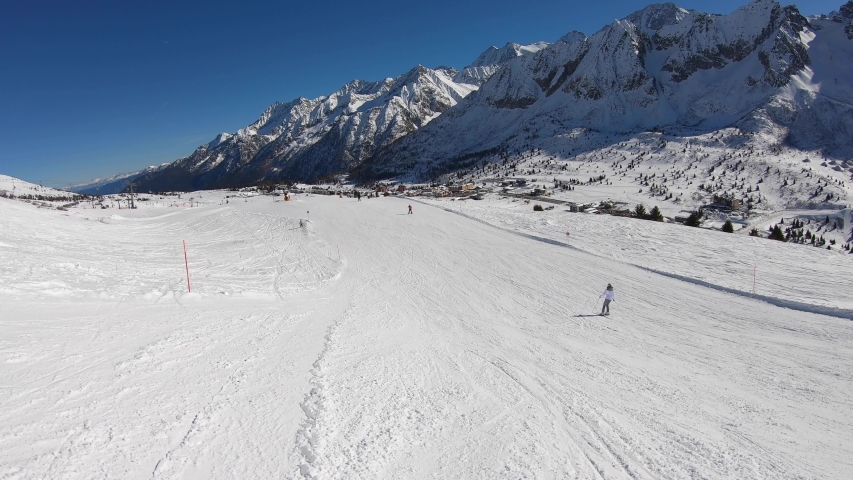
<point x="357" y="341"/>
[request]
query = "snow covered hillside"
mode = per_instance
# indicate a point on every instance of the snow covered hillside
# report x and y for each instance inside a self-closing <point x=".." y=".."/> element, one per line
<point x="327" y="337"/>
<point x="729" y="174"/>
<point x="11" y="186"/>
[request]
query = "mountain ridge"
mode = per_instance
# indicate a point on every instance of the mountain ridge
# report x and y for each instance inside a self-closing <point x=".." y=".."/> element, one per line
<point x="312" y="138"/>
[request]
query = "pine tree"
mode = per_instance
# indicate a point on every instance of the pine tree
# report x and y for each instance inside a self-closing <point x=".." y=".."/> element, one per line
<point x="694" y="220"/>
<point x="655" y="214"/>
<point x="754" y="233"/>
<point x="640" y="211"/>
<point x="728" y="227"/>
<point x="777" y="234"/>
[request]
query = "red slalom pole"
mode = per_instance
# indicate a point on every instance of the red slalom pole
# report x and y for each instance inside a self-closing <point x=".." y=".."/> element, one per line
<point x="187" y="264"/>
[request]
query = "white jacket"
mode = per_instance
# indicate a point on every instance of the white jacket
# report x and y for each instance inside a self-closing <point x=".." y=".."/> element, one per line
<point x="609" y="295"/>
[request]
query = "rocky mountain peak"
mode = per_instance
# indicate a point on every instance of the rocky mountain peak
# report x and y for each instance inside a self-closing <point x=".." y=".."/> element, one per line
<point x="496" y="56"/>
<point x="846" y="10"/>
<point x="572" y="37"/>
<point x="656" y="16"/>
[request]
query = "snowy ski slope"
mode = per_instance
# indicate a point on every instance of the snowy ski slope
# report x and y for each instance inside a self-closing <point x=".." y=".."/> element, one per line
<point x="785" y="274"/>
<point x="457" y="342"/>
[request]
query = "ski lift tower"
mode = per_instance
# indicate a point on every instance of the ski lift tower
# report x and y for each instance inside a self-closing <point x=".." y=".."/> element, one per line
<point x="132" y="204"/>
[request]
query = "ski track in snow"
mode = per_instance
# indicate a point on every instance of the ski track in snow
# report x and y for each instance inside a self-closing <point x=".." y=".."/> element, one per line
<point x="375" y="344"/>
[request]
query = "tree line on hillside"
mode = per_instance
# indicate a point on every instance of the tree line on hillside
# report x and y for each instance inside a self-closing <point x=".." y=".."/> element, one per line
<point x="46" y="198"/>
<point x="798" y="232"/>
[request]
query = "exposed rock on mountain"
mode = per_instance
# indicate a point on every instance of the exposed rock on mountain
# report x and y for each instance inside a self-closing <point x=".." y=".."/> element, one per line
<point x="309" y="139"/>
<point x="764" y="66"/>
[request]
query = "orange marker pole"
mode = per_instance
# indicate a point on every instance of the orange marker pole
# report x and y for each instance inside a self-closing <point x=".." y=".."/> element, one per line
<point x="187" y="264"/>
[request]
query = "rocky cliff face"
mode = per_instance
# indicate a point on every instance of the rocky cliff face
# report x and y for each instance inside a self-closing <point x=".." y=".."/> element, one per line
<point x="763" y="65"/>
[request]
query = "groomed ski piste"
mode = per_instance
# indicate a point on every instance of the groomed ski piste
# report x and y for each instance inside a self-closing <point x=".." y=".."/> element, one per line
<point x="357" y="341"/>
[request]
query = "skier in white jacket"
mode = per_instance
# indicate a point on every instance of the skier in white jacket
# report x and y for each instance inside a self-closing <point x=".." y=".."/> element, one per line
<point x="609" y="296"/>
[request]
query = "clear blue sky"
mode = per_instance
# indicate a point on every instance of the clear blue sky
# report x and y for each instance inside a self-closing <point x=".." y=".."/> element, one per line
<point x="91" y="88"/>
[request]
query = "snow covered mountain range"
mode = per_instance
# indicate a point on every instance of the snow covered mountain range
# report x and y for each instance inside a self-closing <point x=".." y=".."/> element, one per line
<point x="308" y="139"/>
<point x="764" y="68"/>
<point x="766" y="77"/>
<point x="113" y="183"/>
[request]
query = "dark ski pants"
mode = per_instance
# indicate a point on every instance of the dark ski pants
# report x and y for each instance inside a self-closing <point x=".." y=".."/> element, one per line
<point x="606" y="306"/>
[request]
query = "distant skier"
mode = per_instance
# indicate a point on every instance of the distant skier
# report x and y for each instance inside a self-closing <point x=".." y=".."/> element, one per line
<point x="609" y="296"/>
<point x="410" y="209"/>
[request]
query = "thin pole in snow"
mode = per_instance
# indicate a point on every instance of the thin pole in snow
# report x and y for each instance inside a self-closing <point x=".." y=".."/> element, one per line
<point x="187" y="265"/>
